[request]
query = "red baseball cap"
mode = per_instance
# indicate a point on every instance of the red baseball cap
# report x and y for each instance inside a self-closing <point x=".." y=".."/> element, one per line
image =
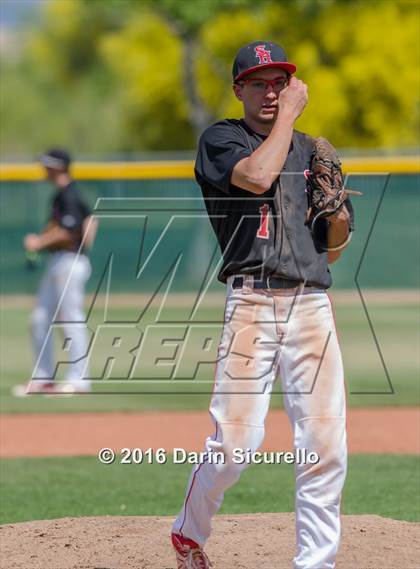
<point x="260" y="55"/>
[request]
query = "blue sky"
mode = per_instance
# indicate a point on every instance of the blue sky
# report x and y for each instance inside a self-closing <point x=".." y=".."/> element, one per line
<point x="14" y="13"/>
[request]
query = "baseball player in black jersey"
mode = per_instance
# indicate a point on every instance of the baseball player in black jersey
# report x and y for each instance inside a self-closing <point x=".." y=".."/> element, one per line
<point x="61" y="292"/>
<point x="278" y="317"/>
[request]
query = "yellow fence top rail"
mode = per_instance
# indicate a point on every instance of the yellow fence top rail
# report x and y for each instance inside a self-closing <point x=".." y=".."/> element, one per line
<point x="184" y="169"/>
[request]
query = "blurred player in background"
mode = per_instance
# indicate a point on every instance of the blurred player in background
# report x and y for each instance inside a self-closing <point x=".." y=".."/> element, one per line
<point x="61" y="293"/>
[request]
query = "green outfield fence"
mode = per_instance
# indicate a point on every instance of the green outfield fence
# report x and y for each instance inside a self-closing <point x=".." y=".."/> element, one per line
<point x="140" y="212"/>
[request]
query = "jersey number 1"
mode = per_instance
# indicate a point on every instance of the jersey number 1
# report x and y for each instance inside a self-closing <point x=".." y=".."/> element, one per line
<point x="263" y="231"/>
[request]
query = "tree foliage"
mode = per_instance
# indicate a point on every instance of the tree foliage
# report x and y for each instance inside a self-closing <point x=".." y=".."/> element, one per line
<point x="123" y="75"/>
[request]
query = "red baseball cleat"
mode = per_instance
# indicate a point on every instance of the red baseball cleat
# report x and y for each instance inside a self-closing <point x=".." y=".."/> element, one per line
<point x="34" y="387"/>
<point x="189" y="555"/>
<point x="37" y="387"/>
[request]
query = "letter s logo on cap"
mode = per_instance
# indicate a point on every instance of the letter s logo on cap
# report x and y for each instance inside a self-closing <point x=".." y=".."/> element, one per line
<point x="264" y="55"/>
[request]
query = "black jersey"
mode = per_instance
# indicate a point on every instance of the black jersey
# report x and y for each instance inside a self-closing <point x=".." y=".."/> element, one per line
<point x="266" y="234"/>
<point x="69" y="211"/>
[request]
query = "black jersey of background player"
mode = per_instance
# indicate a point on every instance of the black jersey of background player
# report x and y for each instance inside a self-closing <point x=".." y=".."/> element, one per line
<point x="69" y="211"/>
<point x="262" y="234"/>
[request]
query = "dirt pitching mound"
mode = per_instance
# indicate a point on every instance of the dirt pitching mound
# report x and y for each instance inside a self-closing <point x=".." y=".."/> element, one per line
<point x="263" y="541"/>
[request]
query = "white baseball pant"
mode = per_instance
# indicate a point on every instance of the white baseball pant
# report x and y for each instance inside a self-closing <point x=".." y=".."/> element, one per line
<point x="60" y="298"/>
<point x="292" y="331"/>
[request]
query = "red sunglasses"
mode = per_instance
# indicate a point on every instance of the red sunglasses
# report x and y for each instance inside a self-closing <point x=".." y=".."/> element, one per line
<point x="261" y="84"/>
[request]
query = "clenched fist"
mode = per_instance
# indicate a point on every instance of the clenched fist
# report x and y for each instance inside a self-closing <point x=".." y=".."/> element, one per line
<point x="294" y="98"/>
<point x="32" y="242"/>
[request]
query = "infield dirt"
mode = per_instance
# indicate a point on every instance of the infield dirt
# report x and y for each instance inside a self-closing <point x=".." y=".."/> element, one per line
<point x="374" y="430"/>
<point x="247" y="541"/>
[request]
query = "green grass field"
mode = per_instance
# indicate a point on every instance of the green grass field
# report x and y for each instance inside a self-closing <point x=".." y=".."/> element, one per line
<point x="34" y="488"/>
<point x="47" y="488"/>
<point x="395" y="328"/>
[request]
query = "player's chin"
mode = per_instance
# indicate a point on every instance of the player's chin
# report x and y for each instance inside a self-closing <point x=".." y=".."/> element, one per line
<point x="267" y="114"/>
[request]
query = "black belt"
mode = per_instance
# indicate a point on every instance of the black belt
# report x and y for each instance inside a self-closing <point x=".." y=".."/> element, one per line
<point x="268" y="283"/>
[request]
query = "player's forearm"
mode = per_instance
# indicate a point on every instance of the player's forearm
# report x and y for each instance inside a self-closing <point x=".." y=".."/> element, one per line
<point x="338" y="233"/>
<point x="54" y="235"/>
<point x="258" y="172"/>
<point x="268" y="160"/>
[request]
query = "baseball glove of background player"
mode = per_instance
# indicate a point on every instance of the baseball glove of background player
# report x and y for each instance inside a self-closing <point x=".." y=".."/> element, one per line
<point x="325" y="186"/>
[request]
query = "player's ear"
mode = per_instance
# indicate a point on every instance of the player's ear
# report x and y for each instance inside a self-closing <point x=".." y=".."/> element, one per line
<point x="237" y="90"/>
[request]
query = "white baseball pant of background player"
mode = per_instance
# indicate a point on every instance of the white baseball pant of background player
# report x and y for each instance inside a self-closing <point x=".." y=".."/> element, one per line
<point x="292" y="330"/>
<point x="60" y="297"/>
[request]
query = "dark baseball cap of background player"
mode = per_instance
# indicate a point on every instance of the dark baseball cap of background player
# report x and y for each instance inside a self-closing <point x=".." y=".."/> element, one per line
<point x="260" y="55"/>
<point x="56" y="161"/>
